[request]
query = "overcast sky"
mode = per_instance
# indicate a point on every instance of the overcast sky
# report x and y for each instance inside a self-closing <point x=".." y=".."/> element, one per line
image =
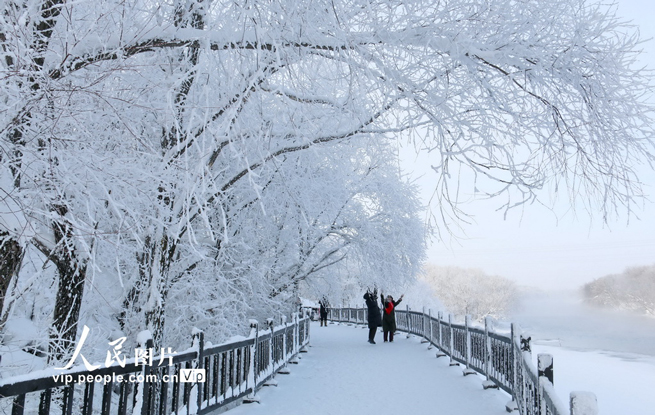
<point x="535" y="247"/>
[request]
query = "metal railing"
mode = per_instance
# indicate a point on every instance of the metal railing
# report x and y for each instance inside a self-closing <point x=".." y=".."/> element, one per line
<point x="505" y="359"/>
<point x="196" y="381"/>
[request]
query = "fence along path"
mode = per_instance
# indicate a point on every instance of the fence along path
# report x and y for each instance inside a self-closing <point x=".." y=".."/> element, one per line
<point x="238" y="370"/>
<point x="232" y="372"/>
<point x="503" y="358"/>
<point x="343" y="374"/>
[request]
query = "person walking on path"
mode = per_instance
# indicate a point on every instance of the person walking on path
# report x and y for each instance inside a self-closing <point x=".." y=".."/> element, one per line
<point x="323" y="312"/>
<point x="374" y="317"/>
<point x="389" y="316"/>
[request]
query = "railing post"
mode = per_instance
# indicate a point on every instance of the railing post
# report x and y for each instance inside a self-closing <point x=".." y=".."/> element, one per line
<point x="284" y="338"/>
<point x="512" y="351"/>
<point x="308" y="330"/>
<point x="271" y="345"/>
<point x="525" y="348"/>
<point x="512" y="405"/>
<point x="467" y="340"/>
<point x="254" y="325"/>
<point x="430" y="324"/>
<point x="467" y="346"/>
<point x="544" y="374"/>
<point x="423" y="330"/>
<point x="408" y="320"/>
<point x="451" y="342"/>
<point x="439" y="317"/>
<point x="295" y="326"/>
<point x="488" y="383"/>
<point x="142" y="398"/>
<point x="545" y="366"/>
<point x="440" y="349"/>
<point x="198" y="337"/>
<point x="487" y="346"/>
<point x="284" y="369"/>
<point x="583" y="403"/>
<point x="296" y="333"/>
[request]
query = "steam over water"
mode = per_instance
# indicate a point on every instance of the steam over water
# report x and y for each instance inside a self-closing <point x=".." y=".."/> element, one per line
<point x="562" y="319"/>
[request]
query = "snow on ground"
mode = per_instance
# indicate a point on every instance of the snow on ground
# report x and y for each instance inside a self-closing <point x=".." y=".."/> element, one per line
<point x="622" y="383"/>
<point x="343" y="374"/>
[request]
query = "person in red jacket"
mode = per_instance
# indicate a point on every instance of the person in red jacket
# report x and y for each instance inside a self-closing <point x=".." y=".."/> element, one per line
<point x="389" y="316"/>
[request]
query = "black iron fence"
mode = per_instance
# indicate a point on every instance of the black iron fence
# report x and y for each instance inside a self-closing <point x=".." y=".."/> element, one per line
<point x="503" y="358"/>
<point x="195" y="381"/>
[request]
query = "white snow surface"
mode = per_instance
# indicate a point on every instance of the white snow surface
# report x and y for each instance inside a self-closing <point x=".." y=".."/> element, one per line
<point x="343" y="374"/>
<point x="622" y="382"/>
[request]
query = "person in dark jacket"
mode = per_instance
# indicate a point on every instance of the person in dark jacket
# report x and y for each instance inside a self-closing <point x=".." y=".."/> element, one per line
<point x="374" y="318"/>
<point x="323" y="312"/>
<point x="389" y="315"/>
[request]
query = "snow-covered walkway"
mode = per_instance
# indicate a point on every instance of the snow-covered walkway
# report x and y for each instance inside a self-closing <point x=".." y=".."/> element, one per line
<point x="343" y="374"/>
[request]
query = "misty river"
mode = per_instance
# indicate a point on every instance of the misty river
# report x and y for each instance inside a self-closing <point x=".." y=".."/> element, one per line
<point x="562" y="319"/>
<point x="609" y="353"/>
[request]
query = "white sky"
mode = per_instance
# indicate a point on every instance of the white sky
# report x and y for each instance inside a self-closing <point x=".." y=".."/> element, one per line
<point x="536" y="247"/>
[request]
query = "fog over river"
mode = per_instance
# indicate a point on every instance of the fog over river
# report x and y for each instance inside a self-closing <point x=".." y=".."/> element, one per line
<point x="562" y="319"/>
<point x="609" y="353"/>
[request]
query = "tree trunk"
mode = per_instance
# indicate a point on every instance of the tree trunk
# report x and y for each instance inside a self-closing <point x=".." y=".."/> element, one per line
<point x="72" y="273"/>
<point x="11" y="258"/>
<point x="155" y="310"/>
<point x="67" y="308"/>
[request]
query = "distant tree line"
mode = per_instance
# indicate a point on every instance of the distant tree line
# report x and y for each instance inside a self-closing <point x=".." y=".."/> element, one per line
<point x="469" y="291"/>
<point x="634" y="289"/>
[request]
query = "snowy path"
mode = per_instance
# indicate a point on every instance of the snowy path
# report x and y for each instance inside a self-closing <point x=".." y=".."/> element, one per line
<point x="342" y="374"/>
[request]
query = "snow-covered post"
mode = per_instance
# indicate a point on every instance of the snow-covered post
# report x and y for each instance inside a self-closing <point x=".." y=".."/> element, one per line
<point x="511" y="405"/>
<point x="545" y="366"/>
<point x="141" y="402"/>
<point x="254" y="365"/>
<point x="524" y="344"/>
<point x="487" y="346"/>
<point x="440" y="352"/>
<point x="488" y="383"/>
<point x="198" y="341"/>
<point x="467" y="345"/>
<point x="296" y="336"/>
<point x="408" y="321"/>
<point x="439" y="317"/>
<point x="271" y="361"/>
<point x="583" y="403"/>
<point x="430" y="323"/>
<point x="544" y="374"/>
<point x="451" y="342"/>
<point x="423" y="330"/>
<point x="307" y="329"/>
<point x="467" y="339"/>
<point x="284" y="370"/>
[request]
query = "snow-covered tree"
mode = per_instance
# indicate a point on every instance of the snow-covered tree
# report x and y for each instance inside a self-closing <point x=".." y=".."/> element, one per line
<point x="160" y="145"/>
<point x="633" y="289"/>
<point x="464" y="291"/>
